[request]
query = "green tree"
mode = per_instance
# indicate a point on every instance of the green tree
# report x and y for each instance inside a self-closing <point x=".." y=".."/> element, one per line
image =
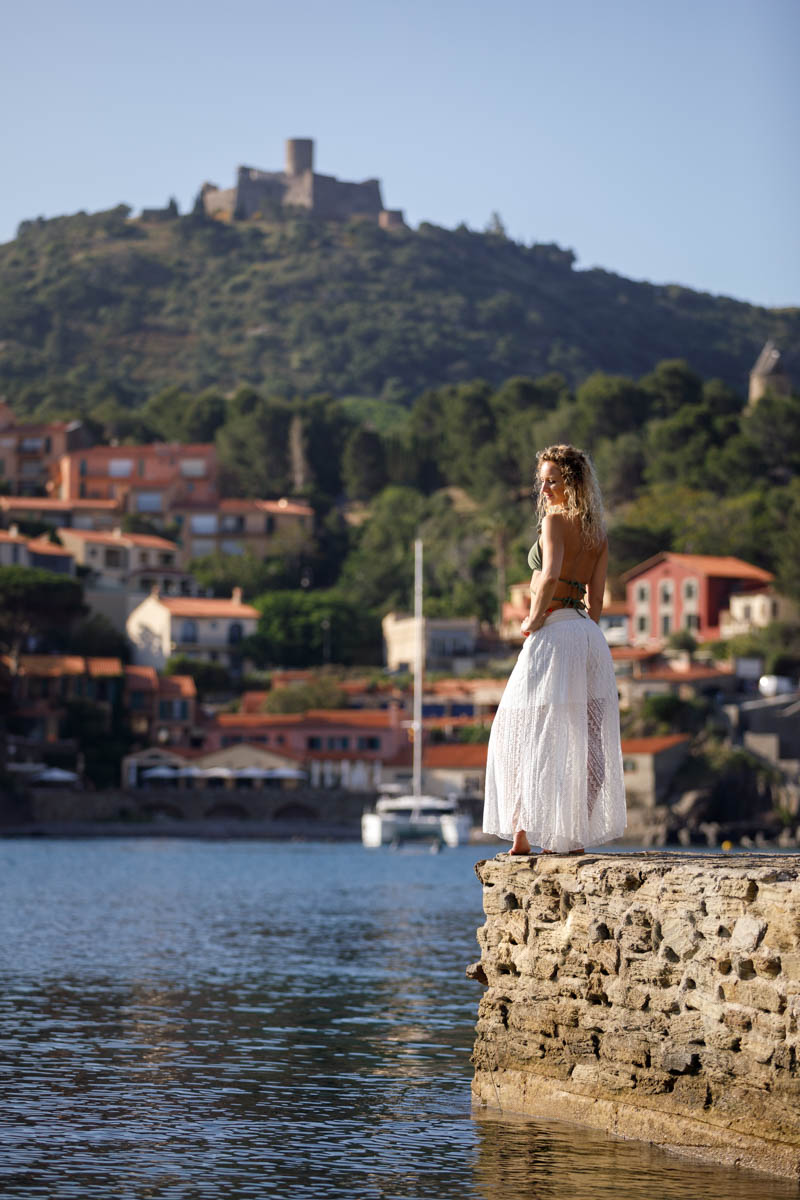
<point x="672" y="385"/>
<point x="300" y="629"/>
<point x="363" y="464"/>
<point x="34" y="603"/>
<point x="608" y="405"/>
<point x="208" y="677"/>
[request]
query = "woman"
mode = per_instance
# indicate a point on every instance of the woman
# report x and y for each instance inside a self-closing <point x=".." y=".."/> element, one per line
<point x="554" y="768"/>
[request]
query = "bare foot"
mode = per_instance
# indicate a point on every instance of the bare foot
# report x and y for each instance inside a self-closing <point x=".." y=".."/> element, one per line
<point x="520" y="845"/>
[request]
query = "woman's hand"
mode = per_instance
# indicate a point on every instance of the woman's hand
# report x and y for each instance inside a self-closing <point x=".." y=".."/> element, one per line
<point x="529" y="625"/>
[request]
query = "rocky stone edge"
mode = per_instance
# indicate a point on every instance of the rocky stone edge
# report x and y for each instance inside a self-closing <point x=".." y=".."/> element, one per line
<point x="655" y="996"/>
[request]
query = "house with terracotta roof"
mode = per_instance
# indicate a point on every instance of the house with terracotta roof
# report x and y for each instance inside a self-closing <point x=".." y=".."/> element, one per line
<point x="372" y="734"/>
<point x="46" y="510"/>
<point x="138" y="561"/>
<point x="29" y="451"/>
<point x="447" y="768"/>
<point x="650" y="764"/>
<point x="44" y="684"/>
<point x="19" y="551"/>
<point x="234" y="527"/>
<point x="160" y="708"/>
<point x="207" y="629"/>
<point x="670" y="592"/>
<point x="149" y="479"/>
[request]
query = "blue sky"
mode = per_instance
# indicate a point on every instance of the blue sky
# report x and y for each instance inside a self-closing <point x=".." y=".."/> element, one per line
<point x="658" y="140"/>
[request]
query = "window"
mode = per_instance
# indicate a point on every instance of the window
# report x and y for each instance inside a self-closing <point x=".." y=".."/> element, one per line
<point x="231" y="523"/>
<point x="203" y="523"/>
<point x="113" y="558"/>
<point x="642" y="624"/>
<point x="313" y="743"/>
<point x="692" y="621"/>
<point x="83" y="469"/>
<point x="643" y="593"/>
<point x="188" y="631"/>
<point x="148" y="502"/>
<point x="269" y="525"/>
<point x="144" y="558"/>
<point x="164" y="710"/>
<point x="120" y="468"/>
<point x="689" y="589"/>
<point x="666" y="624"/>
<point x="140" y="467"/>
<point x="193" y="468"/>
<point x="31" y="445"/>
<point x="665" y="592"/>
<point x="166" y="559"/>
<point x="230" y="547"/>
<point x="746" y="612"/>
<point x="628" y="765"/>
<point x="338" y="743"/>
<point x="774" y="608"/>
<point x="201" y="546"/>
<point x="235" y="633"/>
<point x="368" y="743"/>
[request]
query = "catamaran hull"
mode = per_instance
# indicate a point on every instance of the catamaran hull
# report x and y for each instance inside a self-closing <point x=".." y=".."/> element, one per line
<point x="382" y="829"/>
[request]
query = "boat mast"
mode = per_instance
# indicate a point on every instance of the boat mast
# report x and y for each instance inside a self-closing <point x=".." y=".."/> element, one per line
<point x="419" y="665"/>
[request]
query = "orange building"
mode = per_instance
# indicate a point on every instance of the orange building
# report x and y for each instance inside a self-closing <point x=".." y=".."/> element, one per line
<point x="29" y="452"/>
<point x="150" y="480"/>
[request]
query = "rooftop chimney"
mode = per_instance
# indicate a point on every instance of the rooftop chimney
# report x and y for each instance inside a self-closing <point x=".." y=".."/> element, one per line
<point x="236" y="595"/>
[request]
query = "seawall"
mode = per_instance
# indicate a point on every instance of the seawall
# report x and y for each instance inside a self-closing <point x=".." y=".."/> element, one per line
<point x="655" y="996"/>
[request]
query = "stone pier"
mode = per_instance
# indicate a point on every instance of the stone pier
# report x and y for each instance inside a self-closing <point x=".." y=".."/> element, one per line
<point x="655" y="996"/>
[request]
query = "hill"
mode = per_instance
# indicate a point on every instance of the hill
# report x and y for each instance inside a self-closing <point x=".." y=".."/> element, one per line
<point x="99" y="304"/>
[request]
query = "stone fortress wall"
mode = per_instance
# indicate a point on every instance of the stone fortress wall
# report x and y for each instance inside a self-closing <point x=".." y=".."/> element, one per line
<point x="655" y="996"/>
<point x="299" y="186"/>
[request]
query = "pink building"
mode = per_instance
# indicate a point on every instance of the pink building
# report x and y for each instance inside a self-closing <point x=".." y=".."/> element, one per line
<point x="371" y="734"/>
<point x="670" y="592"/>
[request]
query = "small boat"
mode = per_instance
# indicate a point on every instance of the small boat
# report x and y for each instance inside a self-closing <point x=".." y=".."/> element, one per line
<point x="414" y="818"/>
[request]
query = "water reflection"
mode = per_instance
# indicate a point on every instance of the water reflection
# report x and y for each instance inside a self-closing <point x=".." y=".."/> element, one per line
<point x="553" y="1161"/>
<point x="244" y="1020"/>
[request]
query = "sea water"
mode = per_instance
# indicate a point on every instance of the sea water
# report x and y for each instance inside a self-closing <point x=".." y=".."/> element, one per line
<point x="183" y="1019"/>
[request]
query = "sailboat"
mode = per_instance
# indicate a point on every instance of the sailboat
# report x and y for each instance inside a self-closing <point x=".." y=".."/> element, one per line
<point x="414" y="816"/>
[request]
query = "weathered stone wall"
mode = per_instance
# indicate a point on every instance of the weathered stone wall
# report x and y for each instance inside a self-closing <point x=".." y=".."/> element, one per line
<point x="656" y="996"/>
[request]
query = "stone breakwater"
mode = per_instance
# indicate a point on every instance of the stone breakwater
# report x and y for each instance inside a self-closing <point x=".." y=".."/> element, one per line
<point x="655" y="996"/>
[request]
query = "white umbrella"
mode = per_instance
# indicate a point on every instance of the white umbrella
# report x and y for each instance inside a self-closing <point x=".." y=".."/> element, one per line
<point x="285" y="773"/>
<point x="190" y="772"/>
<point x="57" y="775"/>
<point x="217" y="773"/>
<point x="252" y="773"/>
<point x="160" y="773"/>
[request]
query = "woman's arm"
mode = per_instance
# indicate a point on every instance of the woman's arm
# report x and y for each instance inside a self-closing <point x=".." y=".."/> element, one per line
<point x="552" y="539"/>
<point x="597" y="584"/>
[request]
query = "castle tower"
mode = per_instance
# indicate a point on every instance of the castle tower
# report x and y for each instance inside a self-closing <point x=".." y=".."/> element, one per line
<point x="768" y="374"/>
<point x="299" y="155"/>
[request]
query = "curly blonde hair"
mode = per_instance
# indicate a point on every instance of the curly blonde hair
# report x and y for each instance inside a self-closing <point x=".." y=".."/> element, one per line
<point x="582" y="490"/>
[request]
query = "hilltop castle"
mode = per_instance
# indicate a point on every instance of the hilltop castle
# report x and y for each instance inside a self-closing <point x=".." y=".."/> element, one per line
<point x="298" y="186"/>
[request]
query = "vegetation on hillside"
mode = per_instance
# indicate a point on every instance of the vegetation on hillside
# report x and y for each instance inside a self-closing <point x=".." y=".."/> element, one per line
<point x="100" y="311"/>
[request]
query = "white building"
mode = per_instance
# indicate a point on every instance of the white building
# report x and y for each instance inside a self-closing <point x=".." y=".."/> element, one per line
<point x="211" y="630"/>
<point x="450" y="643"/>
<point x="747" y="611"/>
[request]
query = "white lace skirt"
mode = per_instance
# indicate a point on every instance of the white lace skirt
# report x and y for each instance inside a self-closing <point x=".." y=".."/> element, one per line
<point x="554" y="764"/>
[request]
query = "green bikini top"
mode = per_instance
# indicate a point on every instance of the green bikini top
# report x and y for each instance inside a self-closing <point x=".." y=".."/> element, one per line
<point x="576" y="602"/>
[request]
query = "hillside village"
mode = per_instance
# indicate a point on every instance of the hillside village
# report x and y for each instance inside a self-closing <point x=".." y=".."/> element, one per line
<point x="190" y="727"/>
